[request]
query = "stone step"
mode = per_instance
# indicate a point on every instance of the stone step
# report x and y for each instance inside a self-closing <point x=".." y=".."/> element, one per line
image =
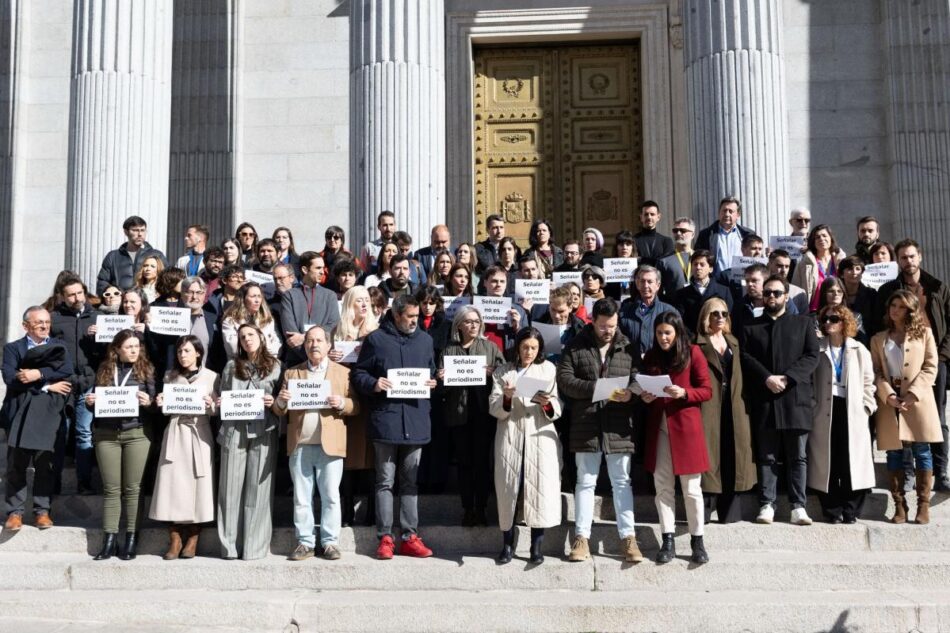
<point x="302" y="610"/>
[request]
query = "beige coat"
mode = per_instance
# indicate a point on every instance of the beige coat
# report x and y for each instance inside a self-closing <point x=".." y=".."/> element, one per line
<point x="184" y="484"/>
<point x="859" y="391"/>
<point x="332" y="426"/>
<point x="806" y="273"/>
<point x="921" y="423"/>
<point x="526" y="438"/>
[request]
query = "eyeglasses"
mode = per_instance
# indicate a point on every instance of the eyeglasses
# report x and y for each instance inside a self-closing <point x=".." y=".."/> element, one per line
<point x="247" y="234"/>
<point x="236" y="278"/>
<point x="282" y="277"/>
<point x="718" y="314"/>
<point x="802" y="220"/>
<point x="682" y="231"/>
<point x="194" y="293"/>
<point x="471" y="322"/>
<point x="830" y="318"/>
<point x="773" y="293"/>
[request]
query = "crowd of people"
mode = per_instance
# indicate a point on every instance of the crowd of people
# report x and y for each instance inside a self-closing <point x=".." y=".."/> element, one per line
<point x="727" y="362"/>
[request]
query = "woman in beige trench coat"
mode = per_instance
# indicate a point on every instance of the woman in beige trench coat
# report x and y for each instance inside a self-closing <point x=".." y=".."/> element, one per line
<point x="905" y="369"/>
<point x="840" y="459"/>
<point x="184" y="485"/>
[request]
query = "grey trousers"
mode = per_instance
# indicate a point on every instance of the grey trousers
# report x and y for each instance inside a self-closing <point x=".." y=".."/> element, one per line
<point x="246" y="492"/>
<point x="407" y="457"/>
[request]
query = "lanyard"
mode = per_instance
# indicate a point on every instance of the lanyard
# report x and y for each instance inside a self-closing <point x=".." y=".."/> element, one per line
<point x="687" y="266"/>
<point x="838" y="363"/>
<point x="115" y="377"/>
<point x="309" y="300"/>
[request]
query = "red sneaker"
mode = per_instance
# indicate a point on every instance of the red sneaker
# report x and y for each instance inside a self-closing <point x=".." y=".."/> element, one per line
<point x="414" y="547"/>
<point x="386" y="548"/>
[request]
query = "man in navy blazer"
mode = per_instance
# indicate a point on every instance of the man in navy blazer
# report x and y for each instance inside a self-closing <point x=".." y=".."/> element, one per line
<point x="307" y="305"/>
<point x="702" y="287"/>
<point x="723" y="238"/>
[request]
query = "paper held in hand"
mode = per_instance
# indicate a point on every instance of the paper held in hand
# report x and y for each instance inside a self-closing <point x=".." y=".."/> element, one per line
<point x="454" y="304"/>
<point x="876" y="275"/>
<point x="350" y="349"/>
<point x="791" y="243"/>
<point x="108" y="325"/>
<point x="117" y="402"/>
<point x="536" y="290"/>
<point x="183" y="400"/>
<point x="465" y="371"/>
<point x="560" y="279"/>
<point x="619" y="269"/>
<point x="262" y="279"/>
<point x="552" y="337"/>
<point x="527" y="387"/>
<point x="654" y="384"/>
<point x="741" y="262"/>
<point x="242" y="405"/>
<point x="408" y="383"/>
<point x="308" y="394"/>
<point x="604" y="388"/>
<point x="170" y="321"/>
<point x="493" y="309"/>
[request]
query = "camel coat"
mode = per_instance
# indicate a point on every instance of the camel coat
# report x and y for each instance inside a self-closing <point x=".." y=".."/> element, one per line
<point x="184" y="484"/>
<point x="921" y="423"/>
<point x="712" y="411"/>
<point x="806" y="272"/>
<point x="332" y="426"/>
<point x="526" y="438"/>
<point x="859" y="390"/>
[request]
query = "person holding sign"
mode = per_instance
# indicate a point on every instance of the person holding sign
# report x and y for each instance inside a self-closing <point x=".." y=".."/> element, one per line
<point x="676" y="442"/>
<point x="316" y="442"/>
<point x="820" y="260"/>
<point x="861" y="299"/>
<point x="122" y="443"/>
<point x="625" y="248"/>
<point x="248" y="452"/>
<point x="601" y="430"/>
<point x="466" y="409"/>
<point x="399" y="427"/>
<point x="184" y="484"/>
<point x="526" y="445"/>
<point x="501" y="334"/>
<point x="250" y="307"/>
<point x="135" y="305"/>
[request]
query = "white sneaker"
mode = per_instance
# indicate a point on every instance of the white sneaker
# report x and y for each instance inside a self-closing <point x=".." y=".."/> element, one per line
<point x="766" y="514"/>
<point x="800" y="517"/>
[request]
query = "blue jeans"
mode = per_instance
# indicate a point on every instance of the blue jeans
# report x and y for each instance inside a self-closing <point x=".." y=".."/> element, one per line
<point x="309" y="464"/>
<point x="618" y="468"/>
<point x="922" y="455"/>
<point x="84" y="450"/>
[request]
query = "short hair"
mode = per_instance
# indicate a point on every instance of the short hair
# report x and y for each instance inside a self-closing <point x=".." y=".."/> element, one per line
<point x="756" y="268"/>
<point x="307" y="258"/>
<point x="866" y="219"/>
<point x="437" y="228"/>
<point x="907" y="242"/>
<point x="187" y="282"/>
<point x="403" y="303"/>
<point x="214" y="252"/>
<point x="851" y="261"/>
<point x="383" y="214"/>
<point x="885" y="246"/>
<point x="398" y="259"/>
<point x="799" y="211"/>
<point x="779" y="252"/>
<point x="685" y="220"/>
<point x="646" y="204"/>
<point x="343" y="266"/>
<point x="402" y="237"/>
<point x="751" y="239"/>
<point x="730" y="199"/>
<point x="31" y="310"/>
<point x="229" y="271"/>
<point x="317" y="327"/>
<point x="703" y="254"/>
<point x="494" y="217"/>
<point x="643" y="269"/>
<point x="561" y="293"/>
<point x="493" y="270"/>
<point x="524" y="334"/>
<point x="605" y="307"/>
<point x="133" y="222"/>
<point x="195" y="342"/>
<point x="527" y="259"/>
<point x="201" y="228"/>
<point x="168" y="279"/>
<point x="266" y="242"/>
<point x="777" y="279"/>
<point x="571" y="242"/>
<point x="426" y="294"/>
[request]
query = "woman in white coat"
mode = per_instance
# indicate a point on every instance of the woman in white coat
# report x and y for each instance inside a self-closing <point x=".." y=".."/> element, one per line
<point x="250" y="307"/>
<point x="840" y="461"/>
<point x="527" y="449"/>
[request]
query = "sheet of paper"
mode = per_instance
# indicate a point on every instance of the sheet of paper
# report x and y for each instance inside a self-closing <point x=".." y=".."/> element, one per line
<point x="108" y="325"/>
<point x="654" y="384"/>
<point x="454" y="304"/>
<point x="589" y="306"/>
<point x="308" y="394"/>
<point x="619" y="269"/>
<point x="464" y="371"/>
<point x="350" y="349"/>
<point x="552" y="337"/>
<point x="791" y="243"/>
<point x="493" y="309"/>
<point x="527" y="387"/>
<point x="741" y="262"/>
<point x="536" y="290"/>
<point x="117" y="402"/>
<point x="242" y="405"/>
<point x="604" y="388"/>
<point x="563" y="278"/>
<point x="258" y="277"/>
<point x="876" y="275"/>
<point x="183" y="400"/>
<point x="170" y="321"/>
<point x="408" y="383"/>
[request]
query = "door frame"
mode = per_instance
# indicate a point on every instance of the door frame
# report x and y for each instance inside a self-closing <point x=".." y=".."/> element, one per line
<point x="647" y="23"/>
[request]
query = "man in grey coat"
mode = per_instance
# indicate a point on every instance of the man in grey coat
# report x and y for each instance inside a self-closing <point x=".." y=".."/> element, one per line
<point x="310" y="304"/>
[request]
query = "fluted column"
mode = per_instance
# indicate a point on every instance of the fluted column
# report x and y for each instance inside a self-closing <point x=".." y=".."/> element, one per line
<point x="397" y="133"/>
<point x="119" y="125"/>
<point x="735" y="88"/>
<point x="10" y="17"/>
<point x="918" y="72"/>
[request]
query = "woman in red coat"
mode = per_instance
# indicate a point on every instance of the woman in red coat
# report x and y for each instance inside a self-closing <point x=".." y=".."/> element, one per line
<point x="676" y="443"/>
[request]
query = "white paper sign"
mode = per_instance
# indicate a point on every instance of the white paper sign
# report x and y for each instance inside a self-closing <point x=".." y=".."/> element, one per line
<point x="493" y="309"/>
<point x="308" y="394"/>
<point x="408" y="383"/>
<point x="552" y="337"/>
<point x="117" y="402"/>
<point x="242" y="405"/>
<point x="741" y="262"/>
<point x="170" y="321"/>
<point x="535" y="290"/>
<point x="791" y="243"/>
<point x="527" y="387"/>
<point x="604" y="388"/>
<point x="454" y="304"/>
<point x="876" y="275"/>
<point x="465" y="371"/>
<point x="350" y="349"/>
<point x="619" y="269"/>
<point x="561" y="279"/>
<point x="589" y="306"/>
<point x="258" y="277"/>
<point x="183" y="400"/>
<point x="654" y="384"/>
<point x="108" y="325"/>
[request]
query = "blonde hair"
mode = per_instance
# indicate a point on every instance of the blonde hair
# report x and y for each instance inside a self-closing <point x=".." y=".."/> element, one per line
<point x="713" y="304"/>
<point x="346" y="330"/>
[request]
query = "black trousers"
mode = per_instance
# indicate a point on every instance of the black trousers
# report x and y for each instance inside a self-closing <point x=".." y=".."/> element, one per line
<point x="840" y="500"/>
<point x="44" y="479"/>
<point x="472" y="444"/>
<point x="727" y="504"/>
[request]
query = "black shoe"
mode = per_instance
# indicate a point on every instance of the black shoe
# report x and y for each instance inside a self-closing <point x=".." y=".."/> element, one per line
<point x="128" y="548"/>
<point x="468" y="518"/>
<point x="507" y="552"/>
<point x="849" y="519"/>
<point x="85" y="489"/>
<point x="833" y="520"/>
<point x="667" y="550"/>
<point x="700" y="557"/>
<point x="109" y="543"/>
<point x="941" y="485"/>
<point x="536" y="557"/>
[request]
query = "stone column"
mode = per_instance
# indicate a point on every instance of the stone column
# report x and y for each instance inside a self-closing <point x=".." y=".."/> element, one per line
<point x="735" y="88"/>
<point x="10" y="24"/>
<point x="918" y="74"/>
<point x="119" y="126"/>
<point x="397" y="125"/>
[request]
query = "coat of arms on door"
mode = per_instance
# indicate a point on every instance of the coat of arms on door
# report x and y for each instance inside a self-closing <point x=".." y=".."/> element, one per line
<point x="602" y="206"/>
<point x="515" y="208"/>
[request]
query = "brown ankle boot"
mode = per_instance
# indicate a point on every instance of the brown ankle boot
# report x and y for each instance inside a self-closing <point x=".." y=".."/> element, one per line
<point x="191" y="545"/>
<point x="925" y="482"/>
<point x="174" y="542"/>
<point x="897" y="493"/>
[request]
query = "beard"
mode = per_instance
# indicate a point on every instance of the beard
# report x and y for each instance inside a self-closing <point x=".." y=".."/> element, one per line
<point x="774" y="309"/>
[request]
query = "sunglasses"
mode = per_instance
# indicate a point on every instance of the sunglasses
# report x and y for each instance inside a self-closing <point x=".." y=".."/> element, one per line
<point x="718" y="314"/>
<point x="773" y="293"/>
<point x="112" y="294"/>
<point x="681" y="231"/>
<point x="831" y="318"/>
<point x="802" y="220"/>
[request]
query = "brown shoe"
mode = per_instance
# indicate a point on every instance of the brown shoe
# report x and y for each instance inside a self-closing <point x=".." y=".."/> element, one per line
<point x="174" y="542"/>
<point x="42" y="521"/>
<point x="897" y="493"/>
<point x="631" y="552"/>
<point x="191" y="545"/>
<point x="301" y="552"/>
<point x="580" y="550"/>
<point x="925" y="480"/>
<point x="331" y="552"/>
<point x="13" y="523"/>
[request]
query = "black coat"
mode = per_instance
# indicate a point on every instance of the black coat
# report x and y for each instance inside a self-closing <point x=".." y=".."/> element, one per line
<point x="161" y="347"/>
<point x="689" y="302"/>
<point x="653" y="246"/>
<point x="83" y="350"/>
<point x="119" y="270"/>
<point x="786" y="346"/>
<point x="865" y="310"/>
<point x="33" y="418"/>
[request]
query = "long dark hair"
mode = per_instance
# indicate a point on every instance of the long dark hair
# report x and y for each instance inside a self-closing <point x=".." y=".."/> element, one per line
<point x="677" y="358"/>
<point x="142" y="370"/>
<point x="263" y="362"/>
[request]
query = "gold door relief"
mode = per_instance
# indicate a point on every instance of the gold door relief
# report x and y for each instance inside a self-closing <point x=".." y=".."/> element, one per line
<point x="557" y="136"/>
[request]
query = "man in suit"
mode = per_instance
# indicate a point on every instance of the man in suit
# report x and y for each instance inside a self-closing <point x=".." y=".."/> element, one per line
<point x="316" y="444"/>
<point x="690" y="299"/>
<point x="37" y="371"/>
<point x="723" y="238"/>
<point x="779" y="354"/>
<point x="651" y="245"/>
<point x="439" y="240"/>
<point x="675" y="269"/>
<point x="310" y="304"/>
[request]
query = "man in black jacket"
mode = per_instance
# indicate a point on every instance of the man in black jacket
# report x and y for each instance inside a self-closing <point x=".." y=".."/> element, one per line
<point x="689" y="300"/>
<point x="119" y="266"/>
<point x="779" y="354"/>
<point x="651" y="245"/>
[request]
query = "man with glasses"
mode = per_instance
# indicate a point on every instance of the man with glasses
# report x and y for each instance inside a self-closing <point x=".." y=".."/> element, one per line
<point x="869" y="234"/>
<point x="675" y="268"/>
<point x="800" y="221"/>
<point x="196" y="242"/>
<point x="496" y="285"/>
<point x="284" y="281"/>
<point x="119" y="266"/>
<point x="651" y="245"/>
<point x="307" y="305"/>
<point x="779" y="355"/>
<point x="724" y="237"/>
<point x="781" y="264"/>
<point x="386" y="225"/>
<point x="572" y="257"/>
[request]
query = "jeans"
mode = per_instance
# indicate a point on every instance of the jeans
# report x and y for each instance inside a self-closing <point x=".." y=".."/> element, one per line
<point x="310" y="464"/>
<point x="940" y="450"/>
<point x="792" y="445"/>
<point x="922" y="455"/>
<point x="407" y="457"/>
<point x="588" y="467"/>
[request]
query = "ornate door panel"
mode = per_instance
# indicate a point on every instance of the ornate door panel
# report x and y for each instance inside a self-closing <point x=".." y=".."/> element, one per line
<point x="557" y="136"/>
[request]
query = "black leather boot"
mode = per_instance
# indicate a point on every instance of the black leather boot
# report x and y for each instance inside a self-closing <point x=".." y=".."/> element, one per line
<point x="128" y="548"/>
<point x="667" y="550"/>
<point x="537" y="537"/>
<point x="700" y="557"/>
<point x="109" y="542"/>
<point x="507" y="547"/>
